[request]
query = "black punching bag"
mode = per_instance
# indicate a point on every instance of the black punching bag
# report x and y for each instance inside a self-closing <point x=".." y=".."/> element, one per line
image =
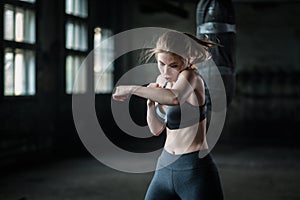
<point x="216" y="19"/>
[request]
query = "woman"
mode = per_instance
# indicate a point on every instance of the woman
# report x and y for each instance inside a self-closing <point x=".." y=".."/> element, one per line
<point x="176" y="102"/>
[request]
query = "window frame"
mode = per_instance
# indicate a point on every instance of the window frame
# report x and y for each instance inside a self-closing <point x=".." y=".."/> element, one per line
<point x="75" y="52"/>
<point x="13" y="45"/>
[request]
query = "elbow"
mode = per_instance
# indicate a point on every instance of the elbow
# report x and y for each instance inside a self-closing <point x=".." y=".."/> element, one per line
<point x="173" y="98"/>
<point x="157" y="133"/>
<point x="175" y="101"/>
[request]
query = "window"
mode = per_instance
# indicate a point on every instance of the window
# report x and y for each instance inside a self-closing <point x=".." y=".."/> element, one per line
<point x="103" y="72"/>
<point x="15" y="21"/>
<point x="77" y="8"/>
<point x="19" y="34"/>
<point x="72" y="68"/>
<point x="76" y="36"/>
<point x="19" y="72"/>
<point x="76" y="44"/>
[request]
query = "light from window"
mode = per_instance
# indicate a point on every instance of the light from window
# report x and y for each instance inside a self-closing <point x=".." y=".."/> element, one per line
<point x="30" y="1"/>
<point x="73" y="70"/>
<point x="19" y="72"/>
<point x="77" y="8"/>
<point x="103" y="71"/>
<point x="15" y="21"/>
<point x="8" y="22"/>
<point x="9" y="73"/>
<point x="76" y="36"/>
<point x="19" y="25"/>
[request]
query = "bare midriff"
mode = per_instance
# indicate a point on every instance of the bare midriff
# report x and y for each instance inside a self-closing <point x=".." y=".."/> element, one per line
<point x="186" y="140"/>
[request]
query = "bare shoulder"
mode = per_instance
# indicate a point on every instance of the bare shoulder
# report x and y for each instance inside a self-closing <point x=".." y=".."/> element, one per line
<point x="193" y="77"/>
<point x="189" y="73"/>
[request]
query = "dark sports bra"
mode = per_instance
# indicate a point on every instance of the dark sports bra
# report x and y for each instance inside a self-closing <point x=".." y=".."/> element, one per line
<point x="181" y="116"/>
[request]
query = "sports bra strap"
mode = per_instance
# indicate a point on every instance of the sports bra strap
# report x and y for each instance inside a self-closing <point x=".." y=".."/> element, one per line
<point x="165" y="85"/>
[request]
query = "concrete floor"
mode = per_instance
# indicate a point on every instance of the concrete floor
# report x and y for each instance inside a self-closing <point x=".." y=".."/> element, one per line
<point x="256" y="173"/>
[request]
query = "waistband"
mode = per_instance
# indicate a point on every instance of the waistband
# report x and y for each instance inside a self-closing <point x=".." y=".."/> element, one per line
<point x="185" y="161"/>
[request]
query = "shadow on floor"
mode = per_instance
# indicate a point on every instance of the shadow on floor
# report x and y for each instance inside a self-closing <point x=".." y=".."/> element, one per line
<point x="247" y="173"/>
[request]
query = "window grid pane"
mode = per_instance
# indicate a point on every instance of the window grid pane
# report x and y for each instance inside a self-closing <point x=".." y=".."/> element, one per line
<point x="29" y="21"/>
<point x="8" y="22"/>
<point x="75" y="73"/>
<point x="69" y="6"/>
<point x="30" y="57"/>
<point x="19" y="25"/>
<point x="8" y="73"/>
<point x="15" y="21"/>
<point x="19" y="74"/>
<point x="69" y="74"/>
<point x="77" y="8"/>
<point x="76" y="36"/>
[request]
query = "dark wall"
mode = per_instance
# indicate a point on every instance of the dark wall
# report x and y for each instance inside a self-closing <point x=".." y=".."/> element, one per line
<point x="42" y="125"/>
<point x="28" y="124"/>
<point x="267" y="94"/>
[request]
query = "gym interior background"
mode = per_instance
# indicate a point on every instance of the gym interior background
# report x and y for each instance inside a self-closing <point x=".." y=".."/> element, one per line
<point x="44" y="42"/>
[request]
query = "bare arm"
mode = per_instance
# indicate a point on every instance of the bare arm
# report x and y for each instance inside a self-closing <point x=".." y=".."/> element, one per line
<point x="180" y="91"/>
<point x="156" y="126"/>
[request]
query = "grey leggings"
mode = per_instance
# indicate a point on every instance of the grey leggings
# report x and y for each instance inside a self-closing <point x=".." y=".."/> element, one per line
<point x="185" y="177"/>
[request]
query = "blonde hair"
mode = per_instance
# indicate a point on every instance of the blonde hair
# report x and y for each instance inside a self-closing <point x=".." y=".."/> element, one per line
<point x="190" y="49"/>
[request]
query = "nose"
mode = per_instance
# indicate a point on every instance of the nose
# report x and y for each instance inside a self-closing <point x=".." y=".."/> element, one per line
<point x="165" y="69"/>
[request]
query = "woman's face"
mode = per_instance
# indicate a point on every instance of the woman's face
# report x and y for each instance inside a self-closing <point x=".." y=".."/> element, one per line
<point x="169" y="66"/>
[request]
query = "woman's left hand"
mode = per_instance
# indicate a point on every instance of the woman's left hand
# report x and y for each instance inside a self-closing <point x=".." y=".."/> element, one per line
<point x="152" y="85"/>
<point x="122" y="93"/>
